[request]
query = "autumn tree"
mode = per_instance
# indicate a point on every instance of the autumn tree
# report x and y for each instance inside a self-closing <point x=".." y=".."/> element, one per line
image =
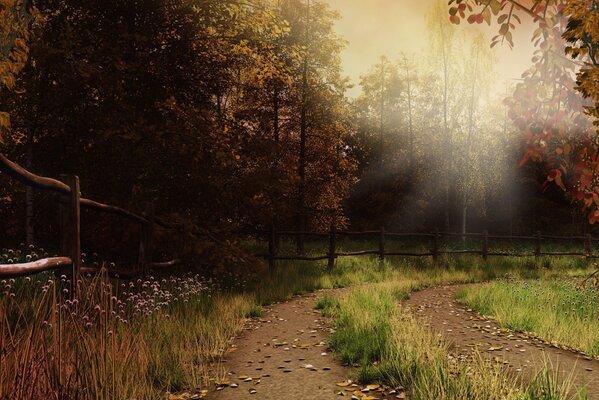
<point x="549" y="105"/>
<point x="379" y="108"/>
<point x="15" y="17"/>
<point x="474" y="146"/>
<point x="201" y="99"/>
<point x="443" y="56"/>
<point x="14" y="32"/>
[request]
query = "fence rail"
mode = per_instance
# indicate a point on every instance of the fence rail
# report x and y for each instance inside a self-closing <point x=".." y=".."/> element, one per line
<point x="435" y="237"/>
<point x="70" y="205"/>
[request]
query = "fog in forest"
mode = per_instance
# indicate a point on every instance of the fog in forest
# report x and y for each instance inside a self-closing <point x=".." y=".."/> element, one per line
<point x="446" y="141"/>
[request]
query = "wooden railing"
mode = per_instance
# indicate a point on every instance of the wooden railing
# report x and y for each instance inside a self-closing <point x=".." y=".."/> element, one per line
<point x="70" y="205"/>
<point x="435" y="238"/>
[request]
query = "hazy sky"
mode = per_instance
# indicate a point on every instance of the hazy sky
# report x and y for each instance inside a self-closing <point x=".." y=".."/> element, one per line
<point x="377" y="27"/>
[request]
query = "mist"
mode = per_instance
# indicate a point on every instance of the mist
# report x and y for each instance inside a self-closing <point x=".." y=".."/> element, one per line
<point x="442" y="144"/>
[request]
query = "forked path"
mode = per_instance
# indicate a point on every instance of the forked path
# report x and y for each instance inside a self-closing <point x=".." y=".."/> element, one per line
<point x="283" y="355"/>
<point x="466" y="330"/>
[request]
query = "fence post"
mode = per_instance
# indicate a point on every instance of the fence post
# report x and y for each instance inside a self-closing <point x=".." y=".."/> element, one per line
<point x="485" y="250"/>
<point x="146" y="240"/>
<point x="436" y="245"/>
<point x="272" y="246"/>
<point x="538" y="245"/>
<point x="587" y="246"/>
<point x="332" y="238"/>
<point x="70" y="230"/>
<point x="382" y="247"/>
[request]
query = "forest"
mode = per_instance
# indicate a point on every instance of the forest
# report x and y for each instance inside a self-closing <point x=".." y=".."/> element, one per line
<point x="236" y="119"/>
<point x="232" y="115"/>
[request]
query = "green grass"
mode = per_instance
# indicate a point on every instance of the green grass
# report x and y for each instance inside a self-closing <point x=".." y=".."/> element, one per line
<point x="255" y="311"/>
<point x="388" y="346"/>
<point x="553" y="309"/>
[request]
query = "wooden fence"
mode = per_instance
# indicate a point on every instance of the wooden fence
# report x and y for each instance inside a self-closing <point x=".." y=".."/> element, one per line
<point x="70" y="204"/>
<point x="435" y="239"/>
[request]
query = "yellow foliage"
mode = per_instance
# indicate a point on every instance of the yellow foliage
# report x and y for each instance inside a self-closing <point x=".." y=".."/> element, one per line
<point x="14" y="20"/>
<point x="582" y="35"/>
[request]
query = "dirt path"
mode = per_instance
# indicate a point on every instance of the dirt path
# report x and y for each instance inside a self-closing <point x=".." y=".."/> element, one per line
<point x="467" y="330"/>
<point x="283" y="356"/>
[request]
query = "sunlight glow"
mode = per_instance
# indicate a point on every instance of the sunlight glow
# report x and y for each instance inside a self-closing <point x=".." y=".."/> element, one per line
<point x="388" y="27"/>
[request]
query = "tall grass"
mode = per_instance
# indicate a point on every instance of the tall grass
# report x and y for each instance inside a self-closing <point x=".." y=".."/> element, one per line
<point x="551" y="309"/>
<point x="135" y="340"/>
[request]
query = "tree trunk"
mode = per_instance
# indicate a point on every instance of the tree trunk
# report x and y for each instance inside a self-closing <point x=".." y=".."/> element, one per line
<point x="448" y="143"/>
<point x="29" y="200"/>
<point x="382" y="122"/>
<point x="29" y="191"/>
<point x="411" y="158"/>
<point x="301" y="215"/>
<point x="464" y="218"/>
<point x="275" y="106"/>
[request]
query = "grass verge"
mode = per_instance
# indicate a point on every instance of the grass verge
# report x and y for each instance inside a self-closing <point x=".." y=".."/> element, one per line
<point x="551" y="309"/>
<point x="388" y="346"/>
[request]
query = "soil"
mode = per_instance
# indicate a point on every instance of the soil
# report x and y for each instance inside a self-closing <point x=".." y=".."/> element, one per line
<point x="467" y="330"/>
<point x="285" y="356"/>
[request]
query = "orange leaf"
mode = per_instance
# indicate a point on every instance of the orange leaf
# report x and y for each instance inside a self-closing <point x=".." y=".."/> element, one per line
<point x="559" y="182"/>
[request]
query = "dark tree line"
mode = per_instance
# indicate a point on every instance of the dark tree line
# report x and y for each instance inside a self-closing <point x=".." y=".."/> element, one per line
<point x="233" y="115"/>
